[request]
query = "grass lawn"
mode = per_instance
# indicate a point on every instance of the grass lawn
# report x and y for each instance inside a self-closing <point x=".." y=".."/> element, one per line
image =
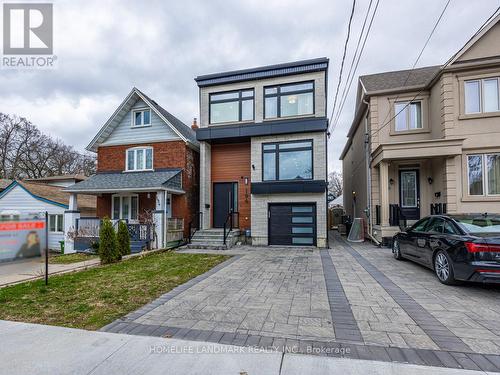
<point x="69" y="258"/>
<point x="92" y="298"/>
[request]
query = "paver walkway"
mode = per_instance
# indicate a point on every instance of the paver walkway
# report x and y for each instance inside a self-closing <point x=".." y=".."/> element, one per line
<point x="352" y="300"/>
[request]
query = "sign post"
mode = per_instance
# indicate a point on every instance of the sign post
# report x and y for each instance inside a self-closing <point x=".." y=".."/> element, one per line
<point x="46" y="248"/>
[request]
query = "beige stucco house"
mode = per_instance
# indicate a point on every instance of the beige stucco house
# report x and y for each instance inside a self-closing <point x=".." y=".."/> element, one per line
<point x="427" y="140"/>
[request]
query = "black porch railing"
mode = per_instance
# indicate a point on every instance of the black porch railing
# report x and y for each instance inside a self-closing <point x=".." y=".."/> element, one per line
<point x="195" y="225"/>
<point x="396" y="216"/>
<point x="377" y="214"/>
<point x="438" y="208"/>
<point x="232" y="221"/>
<point x="141" y="232"/>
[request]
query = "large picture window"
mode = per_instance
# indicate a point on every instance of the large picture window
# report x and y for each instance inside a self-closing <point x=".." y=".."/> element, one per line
<point x="289" y="100"/>
<point x="287" y="161"/>
<point x="482" y="95"/>
<point x="483" y="174"/>
<point x="139" y="159"/>
<point x="408" y="116"/>
<point x="232" y="106"/>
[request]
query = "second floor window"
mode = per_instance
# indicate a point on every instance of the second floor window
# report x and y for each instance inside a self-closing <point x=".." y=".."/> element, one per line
<point x="481" y="95"/>
<point x="141" y="117"/>
<point x="231" y="106"/>
<point x="484" y="174"/>
<point x="139" y="159"/>
<point x="408" y="116"/>
<point x="289" y="100"/>
<point x="287" y="161"/>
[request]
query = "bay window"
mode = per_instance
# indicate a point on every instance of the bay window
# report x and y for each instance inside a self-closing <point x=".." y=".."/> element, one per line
<point x="483" y="174"/>
<point x="139" y="159"/>
<point x="289" y="100"/>
<point x="482" y="95"/>
<point x="232" y="106"/>
<point x="408" y="115"/>
<point x="287" y="161"/>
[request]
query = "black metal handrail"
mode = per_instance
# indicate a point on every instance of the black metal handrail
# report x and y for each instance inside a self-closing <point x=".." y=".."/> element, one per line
<point x="377" y="214"/>
<point x="438" y="208"/>
<point x="195" y="225"/>
<point x="230" y="219"/>
<point x="396" y="216"/>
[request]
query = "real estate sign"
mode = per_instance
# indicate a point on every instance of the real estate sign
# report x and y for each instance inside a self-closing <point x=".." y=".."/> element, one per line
<point x="22" y="239"/>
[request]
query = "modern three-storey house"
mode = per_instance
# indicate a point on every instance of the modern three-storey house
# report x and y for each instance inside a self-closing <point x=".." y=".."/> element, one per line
<point x="263" y="150"/>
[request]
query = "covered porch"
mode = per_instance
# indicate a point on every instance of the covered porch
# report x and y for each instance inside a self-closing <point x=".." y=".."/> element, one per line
<point x="409" y="181"/>
<point x="148" y="202"/>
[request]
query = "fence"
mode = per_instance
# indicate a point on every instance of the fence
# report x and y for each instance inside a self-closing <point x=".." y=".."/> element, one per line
<point x="175" y="229"/>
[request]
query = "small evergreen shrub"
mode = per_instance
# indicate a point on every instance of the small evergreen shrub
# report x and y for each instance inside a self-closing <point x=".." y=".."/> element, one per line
<point x="108" y="249"/>
<point x="123" y="239"/>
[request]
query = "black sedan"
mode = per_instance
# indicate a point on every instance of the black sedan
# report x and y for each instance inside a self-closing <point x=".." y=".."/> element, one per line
<point x="465" y="248"/>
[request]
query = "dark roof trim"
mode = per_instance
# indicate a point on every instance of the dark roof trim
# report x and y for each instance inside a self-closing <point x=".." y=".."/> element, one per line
<point x="235" y="131"/>
<point x="282" y="187"/>
<point x="268" y="71"/>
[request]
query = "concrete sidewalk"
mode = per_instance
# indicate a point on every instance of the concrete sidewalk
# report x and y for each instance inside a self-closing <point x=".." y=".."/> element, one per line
<point x="38" y="349"/>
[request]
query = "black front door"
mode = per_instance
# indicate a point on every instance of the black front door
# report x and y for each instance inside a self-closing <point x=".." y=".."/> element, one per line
<point x="225" y="197"/>
<point x="409" y="193"/>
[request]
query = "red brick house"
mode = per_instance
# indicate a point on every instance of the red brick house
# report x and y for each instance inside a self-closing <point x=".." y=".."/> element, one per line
<point x="147" y="169"/>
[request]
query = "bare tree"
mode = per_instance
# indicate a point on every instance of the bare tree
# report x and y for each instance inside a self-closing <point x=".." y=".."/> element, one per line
<point x="27" y="153"/>
<point x="335" y="184"/>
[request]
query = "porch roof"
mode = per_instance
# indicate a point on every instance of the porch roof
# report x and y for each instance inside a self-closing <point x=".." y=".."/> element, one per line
<point x="417" y="149"/>
<point x="170" y="179"/>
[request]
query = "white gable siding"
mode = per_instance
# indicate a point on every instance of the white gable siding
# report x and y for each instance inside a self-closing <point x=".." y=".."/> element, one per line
<point x="124" y="133"/>
<point x="19" y="200"/>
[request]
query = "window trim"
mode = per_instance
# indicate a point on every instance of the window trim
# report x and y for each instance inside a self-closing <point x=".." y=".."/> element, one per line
<point x="278" y="96"/>
<point x="135" y="158"/>
<point x="484" y="172"/>
<point x="276" y="151"/>
<point x="481" y="81"/>
<point x="240" y="99"/>
<point x="122" y="196"/>
<point x="56" y="223"/>
<point x="142" y="110"/>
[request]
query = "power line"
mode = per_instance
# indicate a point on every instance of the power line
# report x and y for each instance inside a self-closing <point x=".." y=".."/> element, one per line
<point x="348" y="85"/>
<point x="343" y="57"/>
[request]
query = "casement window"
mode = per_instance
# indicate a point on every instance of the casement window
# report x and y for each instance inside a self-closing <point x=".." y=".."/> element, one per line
<point x="141" y="117"/>
<point x="232" y="106"/>
<point x="56" y="223"/>
<point x="139" y="159"/>
<point x="482" y="95"/>
<point x="295" y="99"/>
<point x="125" y="207"/>
<point x="483" y="174"/>
<point x="408" y="116"/>
<point x="287" y="161"/>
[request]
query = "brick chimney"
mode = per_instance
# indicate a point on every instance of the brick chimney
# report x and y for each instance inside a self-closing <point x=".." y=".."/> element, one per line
<point x="194" y="126"/>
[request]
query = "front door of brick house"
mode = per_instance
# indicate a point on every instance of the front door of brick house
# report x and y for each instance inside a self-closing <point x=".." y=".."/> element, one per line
<point x="224" y="201"/>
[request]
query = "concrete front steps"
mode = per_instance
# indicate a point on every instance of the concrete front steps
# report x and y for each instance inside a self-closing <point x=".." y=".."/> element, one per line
<point x="212" y="239"/>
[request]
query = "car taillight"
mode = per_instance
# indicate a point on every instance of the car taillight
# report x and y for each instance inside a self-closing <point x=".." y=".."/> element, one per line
<point x="473" y="247"/>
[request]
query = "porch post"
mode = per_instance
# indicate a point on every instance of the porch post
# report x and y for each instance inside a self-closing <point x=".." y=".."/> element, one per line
<point x="384" y="193"/>
<point x="70" y="216"/>
<point x="159" y="218"/>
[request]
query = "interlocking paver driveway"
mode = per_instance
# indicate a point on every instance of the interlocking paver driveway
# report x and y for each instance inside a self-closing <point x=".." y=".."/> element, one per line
<point x="349" y="296"/>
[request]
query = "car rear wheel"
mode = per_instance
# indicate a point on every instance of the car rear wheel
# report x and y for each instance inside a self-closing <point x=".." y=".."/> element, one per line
<point x="396" y="251"/>
<point x="443" y="268"/>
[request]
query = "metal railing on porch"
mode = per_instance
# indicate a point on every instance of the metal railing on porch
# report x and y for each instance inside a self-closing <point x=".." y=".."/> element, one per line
<point x="194" y="225"/>
<point x="377" y="214"/>
<point x="396" y="216"/>
<point x="174" y="227"/>
<point x="232" y="221"/>
<point x="438" y="208"/>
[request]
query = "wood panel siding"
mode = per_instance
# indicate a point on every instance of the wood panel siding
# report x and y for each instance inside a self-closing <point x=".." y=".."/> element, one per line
<point x="231" y="163"/>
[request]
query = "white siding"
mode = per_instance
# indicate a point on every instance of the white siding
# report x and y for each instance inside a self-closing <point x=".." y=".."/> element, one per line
<point x="124" y="133"/>
<point x="19" y="200"/>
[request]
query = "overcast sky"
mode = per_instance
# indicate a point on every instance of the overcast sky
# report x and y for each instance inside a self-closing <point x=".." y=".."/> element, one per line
<point x="106" y="47"/>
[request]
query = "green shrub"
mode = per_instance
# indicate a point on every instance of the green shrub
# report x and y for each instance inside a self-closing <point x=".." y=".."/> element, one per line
<point x="108" y="249"/>
<point x="123" y="239"/>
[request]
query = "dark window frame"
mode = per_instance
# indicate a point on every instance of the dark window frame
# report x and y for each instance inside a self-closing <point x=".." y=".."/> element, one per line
<point x="279" y="94"/>
<point x="276" y="151"/>
<point x="240" y="99"/>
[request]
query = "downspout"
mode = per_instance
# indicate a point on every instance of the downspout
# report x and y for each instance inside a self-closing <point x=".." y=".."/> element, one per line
<point x="369" y="178"/>
<point x="164" y="231"/>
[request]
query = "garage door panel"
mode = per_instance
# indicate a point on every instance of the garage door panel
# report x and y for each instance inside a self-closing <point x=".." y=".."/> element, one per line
<point x="292" y="224"/>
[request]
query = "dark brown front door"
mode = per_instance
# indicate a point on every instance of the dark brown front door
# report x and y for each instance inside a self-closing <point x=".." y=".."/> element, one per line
<point x="223" y="202"/>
